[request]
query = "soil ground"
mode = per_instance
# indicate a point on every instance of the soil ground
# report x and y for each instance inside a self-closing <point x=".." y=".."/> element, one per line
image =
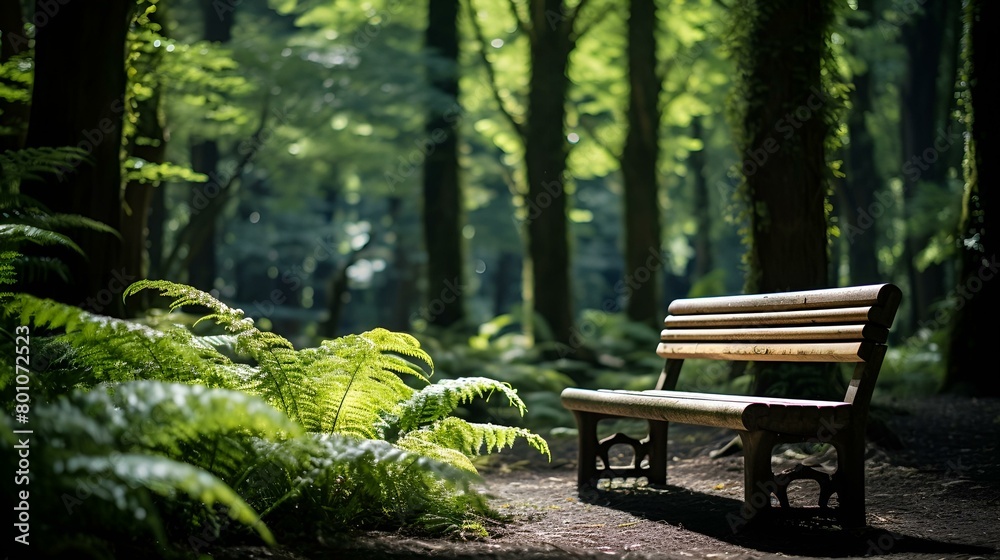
<point x="933" y="491"/>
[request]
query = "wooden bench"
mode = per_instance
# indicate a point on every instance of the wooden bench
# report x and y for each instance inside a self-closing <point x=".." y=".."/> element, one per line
<point x="831" y="325"/>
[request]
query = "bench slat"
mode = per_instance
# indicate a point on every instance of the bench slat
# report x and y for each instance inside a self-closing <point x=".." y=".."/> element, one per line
<point x="734" y="398"/>
<point x="876" y="315"/>
<point x="856" y="296"/>
<point x="821" y="333"/>
<point x="767" y="352"/>
<point x="793" y="417"/>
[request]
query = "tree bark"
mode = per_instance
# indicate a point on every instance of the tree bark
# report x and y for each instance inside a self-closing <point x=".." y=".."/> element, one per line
<point x="442" y="195"/>
<point x="545" y="161"/>
<point x="785" y="135"/>
<point x="704" y="261"/>
<point x="202" y="265"/>
<point x="639" y="159"/>
<point x="61" y="115"/>
<point x="858" y="226"/>
<point x="923" y="110"/>
<point x="977" y="296"/>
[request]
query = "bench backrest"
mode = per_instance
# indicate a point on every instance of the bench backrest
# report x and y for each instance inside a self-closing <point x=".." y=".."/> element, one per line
<point x="829" y="325"/>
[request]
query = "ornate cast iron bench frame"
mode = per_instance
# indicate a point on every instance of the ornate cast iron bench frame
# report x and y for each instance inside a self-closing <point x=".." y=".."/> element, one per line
<point x="831" y="325"/>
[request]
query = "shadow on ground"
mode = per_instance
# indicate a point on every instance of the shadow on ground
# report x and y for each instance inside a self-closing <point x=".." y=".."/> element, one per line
<point x="719" y="517"/>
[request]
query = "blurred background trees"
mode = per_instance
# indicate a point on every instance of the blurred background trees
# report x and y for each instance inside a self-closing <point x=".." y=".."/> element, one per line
<point x="544" y="167"/>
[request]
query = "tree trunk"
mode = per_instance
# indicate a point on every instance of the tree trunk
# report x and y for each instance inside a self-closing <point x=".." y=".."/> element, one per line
<point x="639" y="159"/>
<point x="703" y="255"/>
<point x="545" y="162"/>
<point x="442" y="197"/>
<point x="139" y="196"/>
<point x="202" y="265"/>
<point x="783" y="142"/>
<point x="62" y="115"/>
<point x="977" y="298"/>
<point x="785" y="134"/>
<point x="922" y="123"/>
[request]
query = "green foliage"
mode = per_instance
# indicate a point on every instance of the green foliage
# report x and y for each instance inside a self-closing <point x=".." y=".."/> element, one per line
<point x="171" y="436"/>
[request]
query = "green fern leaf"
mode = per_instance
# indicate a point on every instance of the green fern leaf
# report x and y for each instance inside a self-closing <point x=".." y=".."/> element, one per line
<point x="13" y="235"/>
<point x="473" y="439"/>
<point x="167" y="477"/>
<point x="439" y="400"/>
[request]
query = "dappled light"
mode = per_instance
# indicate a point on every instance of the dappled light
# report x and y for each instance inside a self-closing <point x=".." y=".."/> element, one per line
<point x="498" y="278"/>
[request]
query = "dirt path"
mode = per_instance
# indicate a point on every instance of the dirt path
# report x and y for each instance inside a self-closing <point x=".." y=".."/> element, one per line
<point x="936" y="497"/>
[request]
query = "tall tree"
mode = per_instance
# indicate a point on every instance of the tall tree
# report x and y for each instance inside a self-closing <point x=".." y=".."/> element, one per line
<point x="552" y="40"/>
<point x="785" y="119"/>
<point x="202" y="265"/>
<point x="61" y="116"/>
<point x="782" y="135"/>
<point x="442" y="195"/>
<point x="978" y="295"/>
<point x="149" y="144"/>
<point x="551" y="28"/>
<point x="923" y="109"/>
<point x="639" y="166"/>
<point x="861" y="182"/>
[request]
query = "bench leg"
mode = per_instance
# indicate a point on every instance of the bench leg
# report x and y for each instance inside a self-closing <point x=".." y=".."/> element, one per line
<point x="849" y="480"/>
<point x="586" y="468"/>
<point x="657" y="446"/>
<point x="758" y="479"/>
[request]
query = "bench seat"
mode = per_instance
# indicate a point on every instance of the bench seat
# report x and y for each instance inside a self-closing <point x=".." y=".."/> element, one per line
<point x="791" y="416"/>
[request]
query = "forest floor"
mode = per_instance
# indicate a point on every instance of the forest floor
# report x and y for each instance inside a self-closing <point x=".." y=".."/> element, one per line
<point x="932" y="493"/>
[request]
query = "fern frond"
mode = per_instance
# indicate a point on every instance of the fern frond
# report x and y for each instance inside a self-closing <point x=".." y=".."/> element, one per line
<point x="13" y="235"/>
<point x="342" y="481"/>
<point x="43" y="219"/>
<point x="33" y="163"/>
<point x="7" y="275"/>
<point x="359" y="379"/>
<point x="111" y="349"/>
<point x="473" y="439"/>
<point x="437" y="401"/>
<point x="166" y="477"/>
<point x="278" y="378"/>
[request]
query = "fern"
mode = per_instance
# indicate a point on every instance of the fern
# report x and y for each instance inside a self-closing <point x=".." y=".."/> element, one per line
<point x="277" y="376"/>
<point x="469" y="438"/>
<point x="33" y="163"/>
<point x="14" y="235"/>
<point x="439" y="400"/>
<point x="7" y="276"/>
<point x="127" y="442"/>
<point x="91" y="349"/>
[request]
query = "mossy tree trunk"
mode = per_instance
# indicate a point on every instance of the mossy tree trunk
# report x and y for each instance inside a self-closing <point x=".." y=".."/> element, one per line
<point x="639" y="159"/>
<point x="978" y="292"/>
<point x="783" y="128"/>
